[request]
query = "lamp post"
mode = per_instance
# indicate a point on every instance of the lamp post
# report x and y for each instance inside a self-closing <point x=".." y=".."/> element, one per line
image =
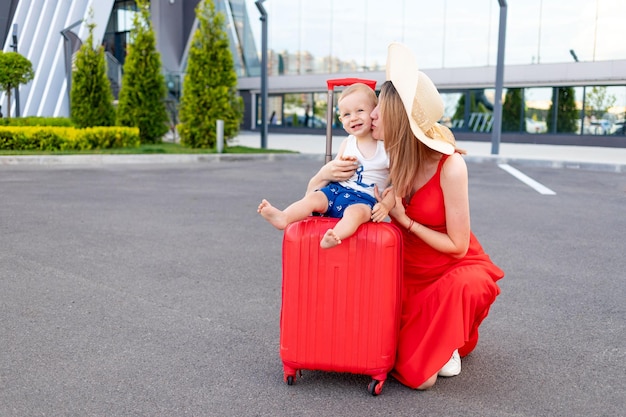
<point x="259" y="5"/>
<point x="17" y="90"/>
<point x="497" y="109"/>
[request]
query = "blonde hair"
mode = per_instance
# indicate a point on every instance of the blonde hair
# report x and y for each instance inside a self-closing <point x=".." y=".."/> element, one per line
<point x="406" y="152"/>
<point x="362" y="88"/>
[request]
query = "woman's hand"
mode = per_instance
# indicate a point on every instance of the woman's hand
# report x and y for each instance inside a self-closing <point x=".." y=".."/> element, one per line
<point x="340" y="169"/>
<point x="335" y="170"/>
<point x="397" y="212"/>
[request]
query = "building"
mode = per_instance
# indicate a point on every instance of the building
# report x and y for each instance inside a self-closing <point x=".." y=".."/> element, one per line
<point x="48" y="32"/>
<point x="311" y="42"/>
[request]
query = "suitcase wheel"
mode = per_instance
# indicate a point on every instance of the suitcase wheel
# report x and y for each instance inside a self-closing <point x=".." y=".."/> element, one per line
<point x="290" y="378"/>
<point x="375" y="387"/>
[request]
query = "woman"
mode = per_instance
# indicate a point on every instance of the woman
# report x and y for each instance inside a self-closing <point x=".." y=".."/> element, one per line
<point x="449" y="281"/>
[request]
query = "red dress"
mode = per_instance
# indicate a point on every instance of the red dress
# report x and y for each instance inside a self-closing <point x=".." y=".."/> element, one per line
<point x="444" y="299"/>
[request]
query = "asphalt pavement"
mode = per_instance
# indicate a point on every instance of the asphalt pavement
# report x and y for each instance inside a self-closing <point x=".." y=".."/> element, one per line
<point x="149" y="286"/>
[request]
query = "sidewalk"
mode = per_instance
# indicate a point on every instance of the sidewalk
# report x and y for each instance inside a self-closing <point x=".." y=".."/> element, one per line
<point x="555" y="156"/>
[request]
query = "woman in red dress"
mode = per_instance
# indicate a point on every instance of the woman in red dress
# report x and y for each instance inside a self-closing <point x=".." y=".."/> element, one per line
<point x="449" y="281"/>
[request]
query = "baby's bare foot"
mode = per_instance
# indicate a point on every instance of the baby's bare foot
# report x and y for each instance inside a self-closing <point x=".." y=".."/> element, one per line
<point x="330" y="239"/>
<point x="272" y="215"/>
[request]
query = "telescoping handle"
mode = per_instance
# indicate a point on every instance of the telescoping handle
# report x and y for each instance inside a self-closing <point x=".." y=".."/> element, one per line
<point x="338" y="82"/>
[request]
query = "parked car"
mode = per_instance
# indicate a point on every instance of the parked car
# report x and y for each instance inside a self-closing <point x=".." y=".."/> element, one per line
<point x="314" y="121"/>
<point x="619" y="128"/>
<point x="600" y="127"/>
<point x="535" y="126"/>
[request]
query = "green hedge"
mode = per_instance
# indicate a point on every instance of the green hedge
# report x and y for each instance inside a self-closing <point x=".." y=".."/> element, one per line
<point x="53" y="138"/>
<point x="37" y="121"/>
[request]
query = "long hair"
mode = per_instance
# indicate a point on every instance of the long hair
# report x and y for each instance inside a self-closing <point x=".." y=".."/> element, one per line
<point x="403" y="148"/>
<point x="406" y="153"/>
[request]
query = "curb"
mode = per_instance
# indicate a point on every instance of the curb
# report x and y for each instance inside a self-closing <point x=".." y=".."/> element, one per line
<point x="104" y="159"/>
<point x="550" y="163"/>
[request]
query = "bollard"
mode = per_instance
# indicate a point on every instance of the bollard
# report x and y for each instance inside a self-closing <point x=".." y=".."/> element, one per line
<point x="220" y="136"/>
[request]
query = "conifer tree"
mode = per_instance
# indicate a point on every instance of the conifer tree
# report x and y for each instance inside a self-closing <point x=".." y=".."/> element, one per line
<point x="209" y="87"/>
<point x="142" y="96"/>
<point x="512" y="110"/>
<point x="91" y="99"/>
<point x="566" y="112"/>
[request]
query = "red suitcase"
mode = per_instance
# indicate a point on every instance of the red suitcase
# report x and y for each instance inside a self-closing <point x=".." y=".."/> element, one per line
<point x="340" y="306"/>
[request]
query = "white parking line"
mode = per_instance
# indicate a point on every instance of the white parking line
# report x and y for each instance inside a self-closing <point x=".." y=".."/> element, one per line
<point x="540" y="188"/>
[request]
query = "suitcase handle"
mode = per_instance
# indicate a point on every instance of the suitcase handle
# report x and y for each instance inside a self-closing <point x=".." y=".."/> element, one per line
<point x="338" y="82"/>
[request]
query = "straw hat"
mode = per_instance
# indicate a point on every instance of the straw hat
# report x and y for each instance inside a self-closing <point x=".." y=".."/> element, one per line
<point x="420" y="97"/>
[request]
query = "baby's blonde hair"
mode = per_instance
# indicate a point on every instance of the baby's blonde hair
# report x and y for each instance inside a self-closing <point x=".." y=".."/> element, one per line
<point x="359" y="87"/>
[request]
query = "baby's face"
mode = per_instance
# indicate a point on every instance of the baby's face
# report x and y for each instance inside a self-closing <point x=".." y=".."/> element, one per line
<point x="354" y="114"/>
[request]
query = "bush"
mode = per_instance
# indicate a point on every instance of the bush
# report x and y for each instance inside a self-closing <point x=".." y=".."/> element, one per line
<point x="15" y="69"/>
<point x="142" y="96"/>
<point x="37" y="121"/>
<point x="210" y="83"/>
<point x="53" y="138"/>
<point x="91" y="98"/>
<point x="106" y="138"/>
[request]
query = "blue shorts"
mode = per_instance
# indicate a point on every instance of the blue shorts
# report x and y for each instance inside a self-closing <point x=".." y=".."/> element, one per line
<point x="340" y="197"/>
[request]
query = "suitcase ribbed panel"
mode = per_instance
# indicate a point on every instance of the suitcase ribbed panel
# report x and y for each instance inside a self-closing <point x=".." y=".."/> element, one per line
<point x="341" y="306"/>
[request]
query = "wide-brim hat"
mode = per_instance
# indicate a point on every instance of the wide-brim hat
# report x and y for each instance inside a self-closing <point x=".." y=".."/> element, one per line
<point x="422" y="102"/>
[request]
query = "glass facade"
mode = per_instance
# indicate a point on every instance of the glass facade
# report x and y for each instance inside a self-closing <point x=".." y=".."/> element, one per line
<point x="330" y="36"/>
<point x="306" y="110"/>
<point x="117" y="34"/>
<point x="242" y="37"/>
<point x="540" y="110"/>
<point x="534" y="110"/>
<point x="334" y="37"/>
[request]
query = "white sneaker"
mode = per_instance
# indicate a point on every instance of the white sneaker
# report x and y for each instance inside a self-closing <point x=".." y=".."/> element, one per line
<point x="453" y="367"/>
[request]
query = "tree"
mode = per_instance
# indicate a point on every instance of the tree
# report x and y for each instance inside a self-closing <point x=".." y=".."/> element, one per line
<point x="210" y="84"/>
<point x="512" y="110"/>
<point x="476" y="105"/>
<point x="15" y="69"/>
<point x="91" y="99"/>
<point x="142" y="96"/>
<point x="566" y="112"/>
<point x="598" y="102"/>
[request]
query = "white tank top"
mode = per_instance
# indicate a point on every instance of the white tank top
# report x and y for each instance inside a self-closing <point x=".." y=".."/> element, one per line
<point x="373" y="171"/>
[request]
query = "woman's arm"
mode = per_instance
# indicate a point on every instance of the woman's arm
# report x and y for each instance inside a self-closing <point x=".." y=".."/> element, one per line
<point x="454" y="184"/>
<point x="336" y="170"/>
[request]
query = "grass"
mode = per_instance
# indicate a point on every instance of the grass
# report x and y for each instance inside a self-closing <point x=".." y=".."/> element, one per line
<point x="159" y="148"/>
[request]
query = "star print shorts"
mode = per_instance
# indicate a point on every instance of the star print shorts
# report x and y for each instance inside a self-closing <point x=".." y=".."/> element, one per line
<point x="340" y="197"/>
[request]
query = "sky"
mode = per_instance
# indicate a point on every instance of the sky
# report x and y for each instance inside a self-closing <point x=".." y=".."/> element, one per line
<point x="446" y="33"/>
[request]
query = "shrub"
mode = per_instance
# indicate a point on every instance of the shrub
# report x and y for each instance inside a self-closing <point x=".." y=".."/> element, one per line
<point x="209" y="87"/>
<point x="37" y="121"/>
<point x="15" y="69"/>
<point x="52" y="138"/>
<point x="91" y="99"/>
<point x="142" y="96"/>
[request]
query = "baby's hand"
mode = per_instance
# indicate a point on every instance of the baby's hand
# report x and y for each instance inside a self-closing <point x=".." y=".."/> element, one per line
<point x="379" y="212"/>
